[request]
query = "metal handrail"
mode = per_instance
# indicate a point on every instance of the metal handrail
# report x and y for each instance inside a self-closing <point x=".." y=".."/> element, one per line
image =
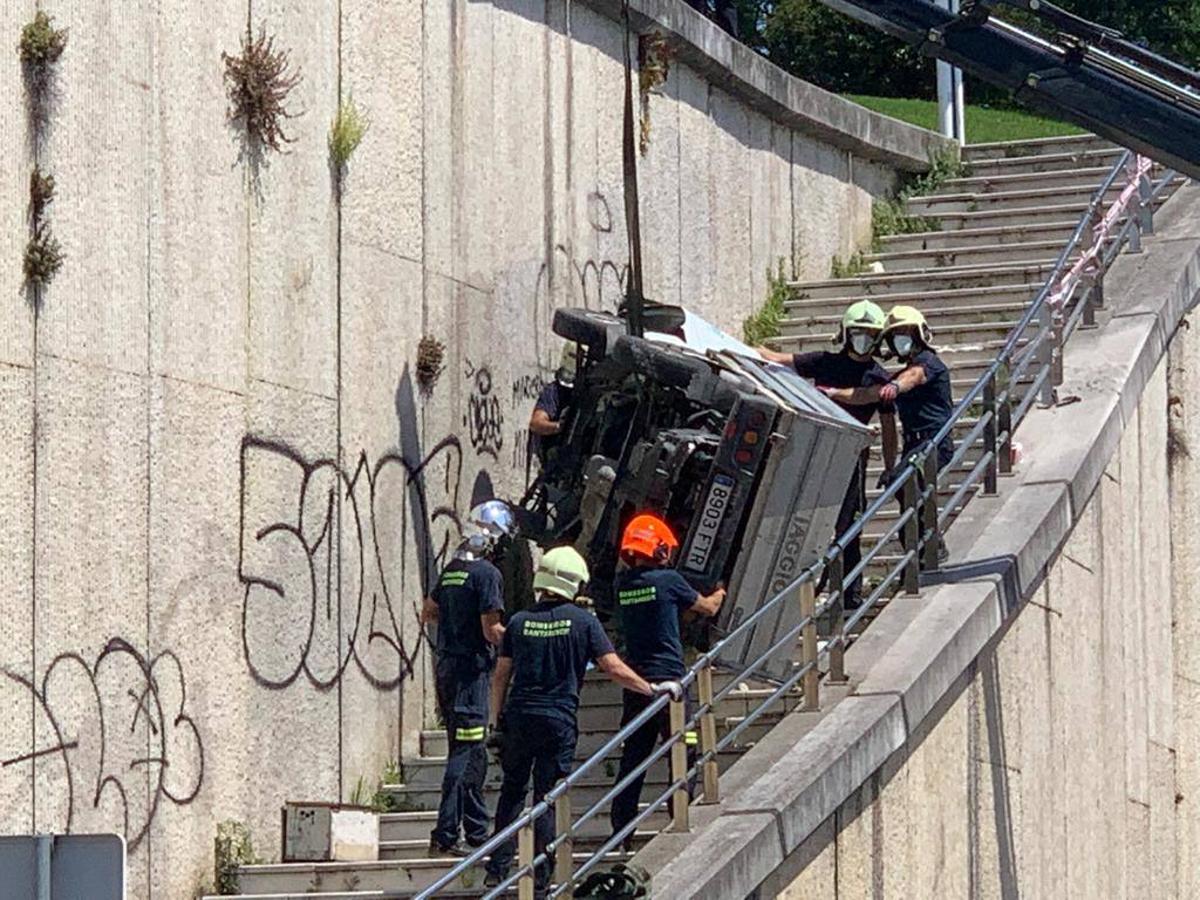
<point x="920" y="514"/>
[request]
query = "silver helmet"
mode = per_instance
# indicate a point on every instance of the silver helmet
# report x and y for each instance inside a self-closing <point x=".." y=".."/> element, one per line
<point x="485" y="525"/>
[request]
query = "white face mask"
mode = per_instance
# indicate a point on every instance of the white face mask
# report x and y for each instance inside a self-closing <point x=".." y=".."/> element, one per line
<point x="861" y="343"/>
<point x="903" y="345"/>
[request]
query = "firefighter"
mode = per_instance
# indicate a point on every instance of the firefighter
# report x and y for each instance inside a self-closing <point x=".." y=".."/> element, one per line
<point x="651" y="597"/>
<point x="467" y="604"/>
<point x="852" y="366"/>
<point x="920" y="391"/>
<point x="545" y="653"/>
<point x="546" y="420"/>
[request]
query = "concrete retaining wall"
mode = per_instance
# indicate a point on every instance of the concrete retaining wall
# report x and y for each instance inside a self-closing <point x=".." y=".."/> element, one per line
<point x="224" y="490"/>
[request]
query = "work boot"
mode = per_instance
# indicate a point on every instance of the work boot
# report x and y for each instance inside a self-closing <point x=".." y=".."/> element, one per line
<point x="456" y="849"/>
<point x="492" y="879"/>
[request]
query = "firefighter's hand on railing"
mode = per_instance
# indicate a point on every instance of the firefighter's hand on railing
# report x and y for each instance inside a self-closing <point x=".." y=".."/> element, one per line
<point x="673" y="689"/>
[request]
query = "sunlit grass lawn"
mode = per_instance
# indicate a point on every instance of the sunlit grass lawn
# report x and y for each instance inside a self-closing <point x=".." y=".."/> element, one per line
<point x="984" y="125"/>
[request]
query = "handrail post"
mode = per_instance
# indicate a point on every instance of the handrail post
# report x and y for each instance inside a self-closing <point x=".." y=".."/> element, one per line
<point x="708" y="734"/>
<point x="912" y="536"/>
<point x="1145" y="205"/>
<point x="990" y="478"/>
<point x="929" y="513"/>
<point x="524" y="860"/>
<point x="1057" y="375"/>
<point x="1088" y="321"/>
<point x="679" y="804"/>
<point x="808" y="650"/>
<point x="1046" y="351"/>
<point x="1136" y="206"/>
<point x="837" y="630"/>
<point x="564" y="853"/>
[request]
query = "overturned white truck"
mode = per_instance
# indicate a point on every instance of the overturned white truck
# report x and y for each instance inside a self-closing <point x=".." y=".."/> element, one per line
<point x="747" y="461"/>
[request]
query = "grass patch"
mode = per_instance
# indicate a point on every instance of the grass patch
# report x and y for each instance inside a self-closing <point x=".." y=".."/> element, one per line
<point x="851" y="267"/>
<point x="985" y="124"/>
<point x="346" y="133"/>
<point x="767" y="322"/>
<point x="380" y="800"/>
<point x="890" y="215"/>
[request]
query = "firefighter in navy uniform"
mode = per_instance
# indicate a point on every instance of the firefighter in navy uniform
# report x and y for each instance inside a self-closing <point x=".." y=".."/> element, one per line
<point x="467" y="605"/>
<point x="651" y="597"/>
<point x="544" y="654"/>
<point x="852" y="366"/>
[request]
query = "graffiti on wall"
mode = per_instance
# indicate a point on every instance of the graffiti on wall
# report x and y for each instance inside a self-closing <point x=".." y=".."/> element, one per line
<point x="484" y="416"/>
<point x="333" y="556"/>
<point x="114" y="736"/>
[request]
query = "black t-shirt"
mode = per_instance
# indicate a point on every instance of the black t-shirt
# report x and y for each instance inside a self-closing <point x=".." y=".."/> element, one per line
<point x="650" y="602"/>
<point x="553" y="401"/>
<point x="466" y="590"/>
<point x="927" y="408"/>
<point x="838" y="370"/>
<point x="550" y="646"/>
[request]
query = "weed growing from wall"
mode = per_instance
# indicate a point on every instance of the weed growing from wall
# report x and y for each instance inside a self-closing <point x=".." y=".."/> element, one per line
<point x="40" y="48"/>
<point x="43" y="257"/>
<point x="233" y="847"/>
<point x="258" y="82"/>
<point x="431" y="355"/>
<point x="768" y="321"/>
<point x="345" y="134"/>
<point x="654" y="65"/>
<point x="851" y="267"/>
<point x="889" y="215"/>
<point x="41" y="193"/>
<point x="381" y="800"/>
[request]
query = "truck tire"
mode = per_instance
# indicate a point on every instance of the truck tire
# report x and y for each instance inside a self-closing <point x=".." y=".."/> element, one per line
<point x="587" y="327"/>
<point x="664" y="366"/>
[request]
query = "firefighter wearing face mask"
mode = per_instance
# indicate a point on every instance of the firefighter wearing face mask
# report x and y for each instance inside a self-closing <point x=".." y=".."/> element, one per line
<point x="920" y="391"/>
<point x="850" y="368"/>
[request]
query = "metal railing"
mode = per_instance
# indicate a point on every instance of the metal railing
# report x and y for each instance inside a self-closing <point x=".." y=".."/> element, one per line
<point x="1030" y="358"/>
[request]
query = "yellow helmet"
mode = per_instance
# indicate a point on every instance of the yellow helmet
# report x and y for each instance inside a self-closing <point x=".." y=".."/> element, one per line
<point x="908" y="317"/>
<point x="562" y="572"/>
<point x="864" y="315"/>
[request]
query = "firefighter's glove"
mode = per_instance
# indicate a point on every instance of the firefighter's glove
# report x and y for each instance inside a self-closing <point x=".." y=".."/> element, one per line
<point x="672" y="689"/>
<point x="886" y="477"/>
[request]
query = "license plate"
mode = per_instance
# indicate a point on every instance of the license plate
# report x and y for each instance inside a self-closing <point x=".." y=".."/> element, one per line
<point x="711" y="517"/>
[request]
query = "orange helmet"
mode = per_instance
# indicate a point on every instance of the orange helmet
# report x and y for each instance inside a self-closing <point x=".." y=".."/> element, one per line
<point x="649" y="536"/>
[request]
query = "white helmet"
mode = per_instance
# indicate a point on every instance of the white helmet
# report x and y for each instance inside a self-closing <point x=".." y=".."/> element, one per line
<point x="486" y="524"/>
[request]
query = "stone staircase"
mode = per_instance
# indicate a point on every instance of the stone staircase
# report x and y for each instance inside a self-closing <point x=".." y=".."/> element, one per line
<point x="404" y="868"/>
<point x="999" y="230"/>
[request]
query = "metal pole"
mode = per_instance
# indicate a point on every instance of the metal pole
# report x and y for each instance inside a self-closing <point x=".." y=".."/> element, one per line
<point x="990" y="477"/>
<point x="837" y="653"/>
<point x="563" y="859"/>
<point x="524" y="858"/>
<point x="912" y="537"/>
<point x="960" y="104"/>
<point x="679" y="806"/>
<point x="45" y="847"/>
<point x="929" y="514"/>
<point x="1005" y="426"/>
<point x="708" y="735"/>
<point x="808" y="652"/>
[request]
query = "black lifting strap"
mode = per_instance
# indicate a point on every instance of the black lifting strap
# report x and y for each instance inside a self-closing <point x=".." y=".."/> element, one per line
<point x="634" y="300"/>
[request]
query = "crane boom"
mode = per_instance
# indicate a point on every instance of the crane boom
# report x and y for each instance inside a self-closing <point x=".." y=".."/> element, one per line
<point x="1086" y="74"/>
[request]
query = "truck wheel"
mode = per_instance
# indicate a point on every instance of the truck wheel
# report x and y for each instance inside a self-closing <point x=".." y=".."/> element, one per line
<point x="664" y="366"/>
<point x="584" y="326"/>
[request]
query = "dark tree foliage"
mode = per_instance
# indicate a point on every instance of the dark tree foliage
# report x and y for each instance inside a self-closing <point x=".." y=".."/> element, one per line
<point x="819" y="45"/>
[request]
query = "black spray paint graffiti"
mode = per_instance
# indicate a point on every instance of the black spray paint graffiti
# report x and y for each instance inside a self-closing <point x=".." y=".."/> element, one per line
<point x="324" y="555"/>
<point x="484" y="417"/>
<point x="526" y="389"/>
<point x="115" y="733"/>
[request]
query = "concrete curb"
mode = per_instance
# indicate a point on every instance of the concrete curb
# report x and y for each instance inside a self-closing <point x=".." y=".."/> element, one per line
<point x="933" y="642"/>
<point x="760" y="84"/>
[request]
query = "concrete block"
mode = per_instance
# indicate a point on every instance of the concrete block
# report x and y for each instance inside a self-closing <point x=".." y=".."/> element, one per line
<point x="95" y="311"/>
<point x="811" y="871"/>
<point x="1187" y="788"/>
<point x="956" y="624"/>
<point x="16" y="319"/>
<point x="697" y="238"/>
<point x="738" y="855"/>
<point x="198" y="251"/>
<point x="293" y="221"/>
<point x="729" y="187"/>
<point x="659" y="187"/>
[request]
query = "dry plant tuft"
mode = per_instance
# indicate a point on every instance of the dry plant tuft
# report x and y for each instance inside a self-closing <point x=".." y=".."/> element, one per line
<point x="258" y="82"/>
<point x="43" y="257"/>
<point x="40" y="47"/>
<point x="41" y="193"/>
<point x="431" y="354"/>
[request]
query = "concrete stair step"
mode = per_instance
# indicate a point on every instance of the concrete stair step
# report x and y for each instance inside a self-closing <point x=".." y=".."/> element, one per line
<point x="1103" y="157"/>
<point x="402" y="878"/>
<point x="1020" y="215"/>
<point x="990" y="183"/>
<point x="427" y="771"/>
<point x="972" y="237"/>
<point x="960" y="257"/>
<point x="418" y="848"/>
<point x="966" y="334"/>
<point x="408" y="827"/>
<point x="1074" y="143"/>
<point x="935" y="204"/>
<point x="585" y="793"/>
<point x="957" y="298"/>
<point x="884" y="284"/>
<point x="939" y="318"/>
